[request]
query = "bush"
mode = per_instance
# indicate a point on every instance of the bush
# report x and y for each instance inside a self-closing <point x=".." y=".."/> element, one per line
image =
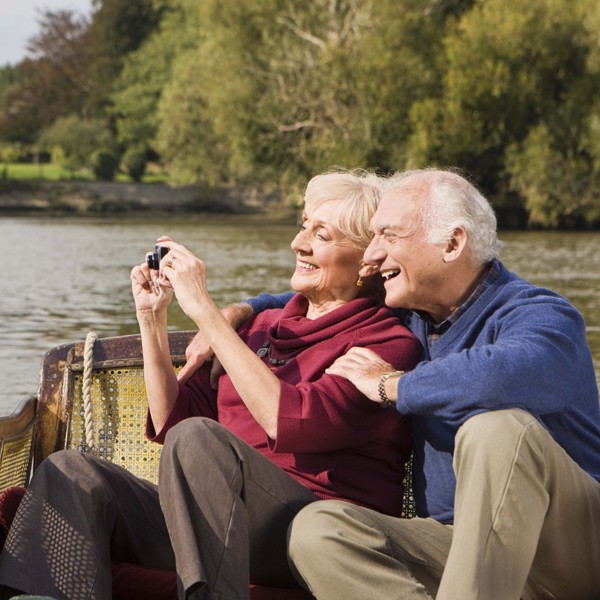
<point x="104" y="163"/>
<point x="134" y="162"/>
<point x="72" y="140"/>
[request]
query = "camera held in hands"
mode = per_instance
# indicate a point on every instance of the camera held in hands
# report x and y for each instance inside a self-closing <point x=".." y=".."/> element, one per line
<point x="153" y="258"/>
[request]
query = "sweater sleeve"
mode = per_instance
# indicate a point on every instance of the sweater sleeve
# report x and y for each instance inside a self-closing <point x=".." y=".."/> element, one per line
<point x="264" y="302"/>
<point x="195" y="399"/>
<point x="531" y="354"/>
<point x="331" y="414"/>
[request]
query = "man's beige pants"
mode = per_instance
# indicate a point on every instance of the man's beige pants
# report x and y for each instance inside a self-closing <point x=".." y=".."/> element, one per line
<point x="527" y="525"/>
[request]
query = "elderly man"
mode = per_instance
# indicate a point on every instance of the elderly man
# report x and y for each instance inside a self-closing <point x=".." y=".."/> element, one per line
<point x="506" y="422"/>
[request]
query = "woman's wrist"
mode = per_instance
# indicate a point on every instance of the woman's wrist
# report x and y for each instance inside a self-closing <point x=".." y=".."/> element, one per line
<point x="150" y="315"/>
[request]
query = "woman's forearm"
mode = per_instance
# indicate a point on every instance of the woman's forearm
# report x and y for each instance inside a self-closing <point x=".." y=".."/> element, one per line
<point x="256" y="384"/>
<point x="162" y="387"/>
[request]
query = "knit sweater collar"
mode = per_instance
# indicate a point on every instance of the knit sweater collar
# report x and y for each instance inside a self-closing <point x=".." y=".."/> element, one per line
<point x="293" y="331"/>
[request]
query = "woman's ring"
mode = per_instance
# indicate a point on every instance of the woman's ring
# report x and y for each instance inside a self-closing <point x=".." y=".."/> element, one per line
<point x="171" y="261"/>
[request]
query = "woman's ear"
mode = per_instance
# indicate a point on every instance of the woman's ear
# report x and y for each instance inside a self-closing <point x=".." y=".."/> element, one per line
<point x="456" y="245"/>
<point x="368" y="271"/>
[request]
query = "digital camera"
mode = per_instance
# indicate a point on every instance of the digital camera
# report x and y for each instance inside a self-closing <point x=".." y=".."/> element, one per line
<point x="153" y="258"/>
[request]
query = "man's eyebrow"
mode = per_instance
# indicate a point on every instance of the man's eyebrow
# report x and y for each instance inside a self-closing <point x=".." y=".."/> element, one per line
<point x="381" y="229"/>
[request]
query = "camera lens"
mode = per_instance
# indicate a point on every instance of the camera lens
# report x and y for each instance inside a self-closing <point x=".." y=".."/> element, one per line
<point x="152" y="260"/>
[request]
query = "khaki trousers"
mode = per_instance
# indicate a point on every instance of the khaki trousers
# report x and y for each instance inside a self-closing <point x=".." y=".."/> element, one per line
<point x="527" y="525"/>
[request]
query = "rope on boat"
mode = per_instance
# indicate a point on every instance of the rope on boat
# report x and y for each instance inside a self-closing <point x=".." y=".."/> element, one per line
<point x="88" y="360"/>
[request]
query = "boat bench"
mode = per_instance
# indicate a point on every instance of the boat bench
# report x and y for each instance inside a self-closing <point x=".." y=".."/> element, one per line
<point x="92" y="398"/>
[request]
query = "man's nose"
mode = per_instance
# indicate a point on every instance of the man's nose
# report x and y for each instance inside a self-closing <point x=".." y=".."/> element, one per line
<point x="375" y="252"/>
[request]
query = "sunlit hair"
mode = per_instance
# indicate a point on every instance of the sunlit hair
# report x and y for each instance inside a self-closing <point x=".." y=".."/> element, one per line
<point x="357" y="193"/>
<point x="451" y="202"/>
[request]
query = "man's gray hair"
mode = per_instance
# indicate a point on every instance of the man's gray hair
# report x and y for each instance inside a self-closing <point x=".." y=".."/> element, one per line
<point x="451" y="202"/>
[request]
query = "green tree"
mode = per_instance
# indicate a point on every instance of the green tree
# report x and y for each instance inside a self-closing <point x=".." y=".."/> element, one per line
<point x="51" y="83"/>
<point x="117" y="28"/>
<point x="73" y="140"/>
<point x="559" y="186"/>
<point x="104" y="164"/>
<point x="278" y="91"/>
<point x="516" y="69"/>
<point x="147" y="71"/>
<point x="134" y="161"/>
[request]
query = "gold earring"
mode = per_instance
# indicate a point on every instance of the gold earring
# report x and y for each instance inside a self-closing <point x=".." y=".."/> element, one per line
<point x="360" y="282"/>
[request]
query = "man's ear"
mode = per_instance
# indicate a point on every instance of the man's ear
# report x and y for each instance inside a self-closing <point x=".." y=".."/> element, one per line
<point x="456" y="245"/>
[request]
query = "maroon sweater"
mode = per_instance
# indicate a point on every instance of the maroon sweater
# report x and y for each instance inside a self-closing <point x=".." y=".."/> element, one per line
<point x="329" y="436"/>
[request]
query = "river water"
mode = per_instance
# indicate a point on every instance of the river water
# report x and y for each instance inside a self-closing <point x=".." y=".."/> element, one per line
<point x="63" y="278"/>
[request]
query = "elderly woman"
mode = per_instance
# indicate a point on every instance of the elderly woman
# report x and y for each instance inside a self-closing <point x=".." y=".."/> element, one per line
<point x="240" y="462"/>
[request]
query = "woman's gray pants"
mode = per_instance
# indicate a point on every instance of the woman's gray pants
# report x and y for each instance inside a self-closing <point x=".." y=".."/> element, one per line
<point x="227" y="509"/>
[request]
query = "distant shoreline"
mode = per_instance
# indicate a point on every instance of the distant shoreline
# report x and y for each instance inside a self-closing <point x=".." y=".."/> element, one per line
<point x="78" y="198"/>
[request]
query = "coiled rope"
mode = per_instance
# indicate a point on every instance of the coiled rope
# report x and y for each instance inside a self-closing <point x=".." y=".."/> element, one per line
<point x="88" y="361"/>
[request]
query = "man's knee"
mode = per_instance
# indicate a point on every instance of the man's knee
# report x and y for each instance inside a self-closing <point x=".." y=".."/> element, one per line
<point x="311" y="530"/>
<point x="489" y="428"/>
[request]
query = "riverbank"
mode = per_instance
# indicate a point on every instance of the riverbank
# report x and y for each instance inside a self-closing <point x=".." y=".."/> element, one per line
<point x="75" y="198"/>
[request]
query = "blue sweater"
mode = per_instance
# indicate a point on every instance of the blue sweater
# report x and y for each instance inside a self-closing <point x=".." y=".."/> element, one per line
<point x="516" y="346"/>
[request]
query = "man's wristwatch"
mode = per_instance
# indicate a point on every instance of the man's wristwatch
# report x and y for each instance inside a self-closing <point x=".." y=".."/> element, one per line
<point x="385" y="401"/>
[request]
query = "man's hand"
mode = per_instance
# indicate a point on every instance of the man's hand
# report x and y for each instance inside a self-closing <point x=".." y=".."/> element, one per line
<point x="363" y="368"/>
<point x="198" y="351"/>
<point x="196" y="354"/>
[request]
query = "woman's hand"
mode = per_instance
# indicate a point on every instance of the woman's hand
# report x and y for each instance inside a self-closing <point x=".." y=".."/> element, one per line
<point x="147" y="294"/>
<point x="186" y="274"/>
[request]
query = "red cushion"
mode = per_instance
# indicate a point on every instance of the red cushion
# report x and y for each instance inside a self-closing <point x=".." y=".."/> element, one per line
<point x="258" y="592"/>
<point x="10" y="499"/>
<point x="133" y="582"/>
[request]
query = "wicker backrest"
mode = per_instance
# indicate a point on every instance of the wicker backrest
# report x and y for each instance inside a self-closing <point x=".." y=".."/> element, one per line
<point x="117" y="402"/>
<point x="16" y="445"/>
<point x="118" y="411"/>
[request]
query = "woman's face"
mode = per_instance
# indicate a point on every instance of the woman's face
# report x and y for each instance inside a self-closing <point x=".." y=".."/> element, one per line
<point x="327" y="262"/>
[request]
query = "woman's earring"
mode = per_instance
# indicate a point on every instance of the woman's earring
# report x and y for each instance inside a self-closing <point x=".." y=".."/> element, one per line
<point x="360" y="282"/>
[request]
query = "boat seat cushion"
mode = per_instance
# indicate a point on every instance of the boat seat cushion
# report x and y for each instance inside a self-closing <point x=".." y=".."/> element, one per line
<point x="9" y="502"/>
<point x="135" y="582"/>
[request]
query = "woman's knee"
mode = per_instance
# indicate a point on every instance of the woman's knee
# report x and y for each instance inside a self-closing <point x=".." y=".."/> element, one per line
<point x="192" y="433"/>
<point x="196" y="441"/>
<point x="66" y="465"/>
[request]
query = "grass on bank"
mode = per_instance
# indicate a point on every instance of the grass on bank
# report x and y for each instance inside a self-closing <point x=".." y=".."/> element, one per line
<point x="53" y="172"/>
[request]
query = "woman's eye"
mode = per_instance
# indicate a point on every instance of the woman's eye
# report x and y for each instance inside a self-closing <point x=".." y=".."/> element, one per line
<point x="322" y="234"/>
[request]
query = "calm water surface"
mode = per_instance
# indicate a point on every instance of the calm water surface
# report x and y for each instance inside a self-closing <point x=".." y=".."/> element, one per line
<point x="64" y="278"/>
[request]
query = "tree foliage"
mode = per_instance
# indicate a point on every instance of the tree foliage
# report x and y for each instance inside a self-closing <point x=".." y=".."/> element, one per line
<point x="73" y="140"/>
<point x="273" y="91"/>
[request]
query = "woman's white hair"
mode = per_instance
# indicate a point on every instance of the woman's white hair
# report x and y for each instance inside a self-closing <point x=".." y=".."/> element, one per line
<point x="357" y="193"/>
<point x="451" y="202"/>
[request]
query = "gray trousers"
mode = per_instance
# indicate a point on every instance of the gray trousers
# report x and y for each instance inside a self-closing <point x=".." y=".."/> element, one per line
<point x="226" y="513"/>
<point x="527" y="525"/>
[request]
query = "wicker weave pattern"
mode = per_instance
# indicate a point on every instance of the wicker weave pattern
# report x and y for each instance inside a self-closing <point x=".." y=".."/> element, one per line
<point x="15" y="459"/>
<point x="119" y="416"/>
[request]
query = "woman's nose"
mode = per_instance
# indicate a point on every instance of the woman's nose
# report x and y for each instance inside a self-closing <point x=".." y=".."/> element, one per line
<point x="299" y="243"/>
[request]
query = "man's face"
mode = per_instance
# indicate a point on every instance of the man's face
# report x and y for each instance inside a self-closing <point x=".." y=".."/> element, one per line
<point x="411" y="265"/>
